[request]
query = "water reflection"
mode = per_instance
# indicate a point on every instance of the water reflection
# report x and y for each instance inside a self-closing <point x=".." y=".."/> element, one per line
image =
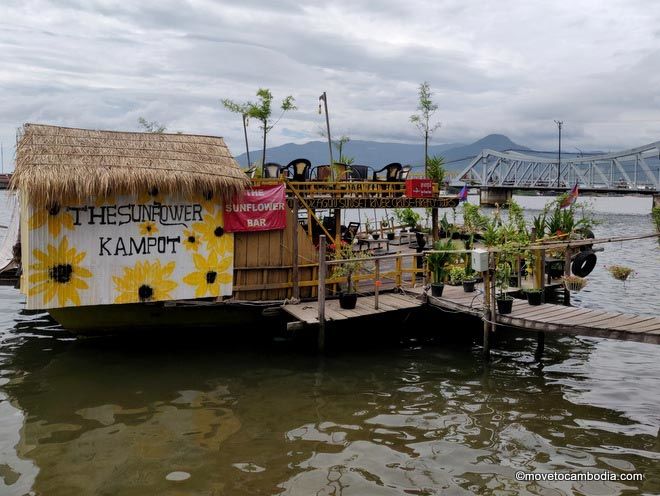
<point x="99" y="418"/>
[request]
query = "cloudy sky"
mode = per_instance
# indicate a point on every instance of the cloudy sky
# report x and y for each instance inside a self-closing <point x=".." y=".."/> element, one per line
<point x="509" y="67"/>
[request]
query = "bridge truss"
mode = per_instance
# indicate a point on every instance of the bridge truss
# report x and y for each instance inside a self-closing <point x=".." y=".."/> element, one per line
<point x="636" y="169"/>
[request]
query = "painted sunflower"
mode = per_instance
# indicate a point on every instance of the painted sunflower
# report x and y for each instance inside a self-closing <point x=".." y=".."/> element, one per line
<point x="58" y="273"/>
<point x="191" y="240"/>
<point x="54" y="216"/>
<point x="148" y="228"/>
<point x="210" y="274"/>
<point x="213" y="233"/>
<point x="145" y="281"/>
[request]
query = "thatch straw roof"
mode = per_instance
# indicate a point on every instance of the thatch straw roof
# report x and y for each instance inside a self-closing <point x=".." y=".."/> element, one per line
<point x="57" y="164"/>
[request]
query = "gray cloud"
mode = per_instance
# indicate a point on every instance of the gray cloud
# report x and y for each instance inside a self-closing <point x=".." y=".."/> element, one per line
<point x="509" y="67"/>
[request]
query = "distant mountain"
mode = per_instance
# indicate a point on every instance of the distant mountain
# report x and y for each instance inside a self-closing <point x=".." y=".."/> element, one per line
<point x="378" y="154"/>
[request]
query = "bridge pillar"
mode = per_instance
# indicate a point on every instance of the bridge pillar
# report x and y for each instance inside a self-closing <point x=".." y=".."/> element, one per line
<point x="490" y="196"/>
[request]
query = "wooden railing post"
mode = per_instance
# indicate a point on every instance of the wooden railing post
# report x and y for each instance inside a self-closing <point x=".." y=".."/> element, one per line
<point x="323" y="268"/>
<point x="376" y="283"/>
<point x="295" y="273"/>
<point x="567" y="272"/>
<point x="398" y="274"/>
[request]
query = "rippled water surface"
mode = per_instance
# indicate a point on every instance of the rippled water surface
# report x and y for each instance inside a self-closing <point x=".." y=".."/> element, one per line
<point x="189" y="415"/>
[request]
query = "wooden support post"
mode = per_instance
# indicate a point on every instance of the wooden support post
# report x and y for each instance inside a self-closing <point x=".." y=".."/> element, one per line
<point x="323" y="267"/>
<point x="398" y="278"/>
<point x="539" y="269"/>
<point x="337" y="227"/>
<point x="493" y="305"/>
<point x="434" y="225"/>
<point x="540" y="346"/>
<point x="567" y="272"/>
<point x="377" y="282"/>
<point x="486" y="317"/>
<point x="295" y="273"/>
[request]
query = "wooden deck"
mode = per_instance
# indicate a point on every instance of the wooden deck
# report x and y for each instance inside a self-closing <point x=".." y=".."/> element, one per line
<point x="308" y="312"/>
<point x="556" y="318"/>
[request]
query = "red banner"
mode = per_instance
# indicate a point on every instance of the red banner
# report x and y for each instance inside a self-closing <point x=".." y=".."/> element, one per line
<point x="262" y="208"/>
<point x="419" y="188"/>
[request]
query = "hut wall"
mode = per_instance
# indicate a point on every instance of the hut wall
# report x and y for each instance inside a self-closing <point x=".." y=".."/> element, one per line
<point x="263" y="261"/>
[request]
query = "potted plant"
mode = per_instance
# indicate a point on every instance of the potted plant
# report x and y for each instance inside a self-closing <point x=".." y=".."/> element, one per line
<point x="534" y="296"/>
<point x="438" y="261"/>
<point x="389" y="225"/>
<point x="620" y="272"/>
<point x="502" y="278"/>
<point x="574" y="283"/>
<point x="456" y="275"/>
<point x="351" y="263"/>
<point x="408" y="217"/>
<point x="367" y="228"/>
<point x="469" y="280"/>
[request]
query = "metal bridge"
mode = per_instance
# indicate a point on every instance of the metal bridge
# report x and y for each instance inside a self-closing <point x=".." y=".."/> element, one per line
<point x="636" y="170"/>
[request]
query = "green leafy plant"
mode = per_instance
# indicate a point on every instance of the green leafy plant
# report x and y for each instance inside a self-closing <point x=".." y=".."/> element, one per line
<point x="435" y="169"/>
<point x="352" y="263"/>
<point x="457" y="274"/>
<point x="407" y="216"/>
<point x="440" y="258"/>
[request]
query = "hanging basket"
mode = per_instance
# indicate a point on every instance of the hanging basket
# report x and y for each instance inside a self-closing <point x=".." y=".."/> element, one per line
<point x="574" y="283"/>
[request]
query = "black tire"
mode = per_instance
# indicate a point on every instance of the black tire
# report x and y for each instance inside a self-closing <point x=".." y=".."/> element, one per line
<point x="583" y="263"/>
<point x="586" y="234"/>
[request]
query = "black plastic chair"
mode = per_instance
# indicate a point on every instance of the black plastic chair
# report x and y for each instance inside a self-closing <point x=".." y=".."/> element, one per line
<point x="403" y="175"/>
<point x="299" y="169"/>
<point x="392" y="172"/>
<point x="358" y="172"/>
<point x="351" y="232"/>
<point x="272" y="170"/>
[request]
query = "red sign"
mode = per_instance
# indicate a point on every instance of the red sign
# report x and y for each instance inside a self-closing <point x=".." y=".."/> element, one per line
<point x="262" y="208"/>
<point x="419" y="188"/>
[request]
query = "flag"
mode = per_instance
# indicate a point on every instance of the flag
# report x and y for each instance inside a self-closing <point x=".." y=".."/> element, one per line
<point x="462" y="196"/>
<point x="570" y="199"/>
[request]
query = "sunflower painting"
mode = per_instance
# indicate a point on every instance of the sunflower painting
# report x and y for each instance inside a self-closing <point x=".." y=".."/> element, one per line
<point x="145" y="281"/>
<point x="211" y="273"/>
<point x="213" y="233"/>
<point x="148" y="228"/>
<point x="54" y="216"/>
<point x="191" y="240"/>
<point x="58" y="275"/>
<point x="208" y="202"/>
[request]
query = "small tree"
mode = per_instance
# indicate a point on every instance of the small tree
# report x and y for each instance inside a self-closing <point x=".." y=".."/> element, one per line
<point x="151" y="127"/>
<point x="262" y="111"/>
<point x="422" y="120"/>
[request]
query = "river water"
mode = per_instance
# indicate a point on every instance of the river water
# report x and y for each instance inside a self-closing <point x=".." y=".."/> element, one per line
<point x="192" y="415"/>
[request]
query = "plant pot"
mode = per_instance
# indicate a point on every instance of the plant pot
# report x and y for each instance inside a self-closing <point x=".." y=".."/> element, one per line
<point x="504" y="306"/>
<point x="375" y="235"/>
<point x="347" y="301"/>
<point x="436" y="289"/>
<point x="390" y="236"/>
<point x="468" y="285"/>
<point x="535" y="297"/>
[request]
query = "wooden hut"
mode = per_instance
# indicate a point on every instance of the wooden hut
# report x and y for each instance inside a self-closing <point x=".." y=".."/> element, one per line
<point x="113" y="218"/>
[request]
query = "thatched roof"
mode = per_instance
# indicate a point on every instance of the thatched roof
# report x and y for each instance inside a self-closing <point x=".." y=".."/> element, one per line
<point x="58" y="164"/>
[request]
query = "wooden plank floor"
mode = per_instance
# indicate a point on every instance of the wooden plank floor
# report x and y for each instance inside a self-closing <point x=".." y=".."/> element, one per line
<point x="556" y="318"/>
<point x="389" y="302"/>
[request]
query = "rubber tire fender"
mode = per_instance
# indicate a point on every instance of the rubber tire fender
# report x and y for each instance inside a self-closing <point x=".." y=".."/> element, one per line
<point x="586" y="234"/>
<point x="583" y="263"/>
